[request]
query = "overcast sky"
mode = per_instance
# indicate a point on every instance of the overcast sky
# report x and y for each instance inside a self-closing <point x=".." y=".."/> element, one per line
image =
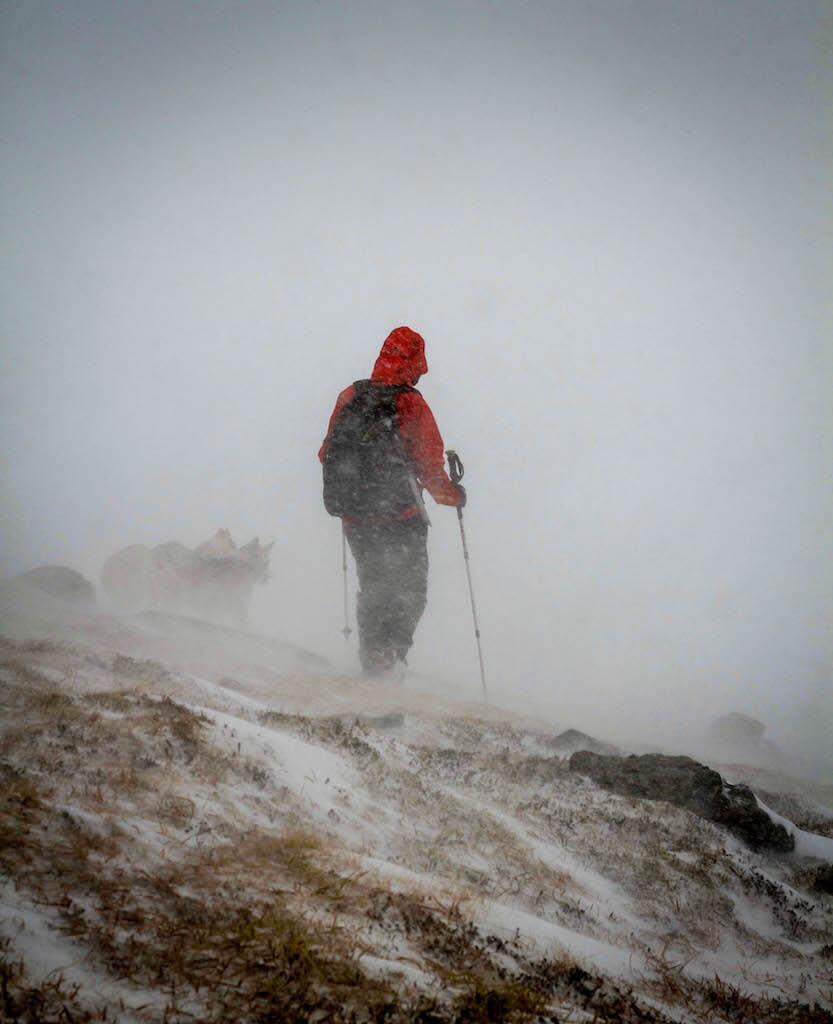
<point x="610" y="221"/>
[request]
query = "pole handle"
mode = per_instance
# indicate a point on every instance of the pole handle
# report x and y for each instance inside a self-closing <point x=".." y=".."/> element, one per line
<point x="455" y="466"/>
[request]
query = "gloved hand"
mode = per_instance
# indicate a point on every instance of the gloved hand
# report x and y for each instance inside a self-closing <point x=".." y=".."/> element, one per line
<point x="462" y="492"/>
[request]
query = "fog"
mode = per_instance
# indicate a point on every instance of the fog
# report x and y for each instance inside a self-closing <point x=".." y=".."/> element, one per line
<point x="611" y="223"/>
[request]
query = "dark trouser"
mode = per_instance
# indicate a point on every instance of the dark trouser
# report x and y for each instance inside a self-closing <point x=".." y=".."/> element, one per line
<point x="392" y="563"/>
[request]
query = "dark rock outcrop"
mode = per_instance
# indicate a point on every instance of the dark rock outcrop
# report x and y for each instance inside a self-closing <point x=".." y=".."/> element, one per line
<point x="63" y="583"/>
<point x="571" y="740"/>
<point x="737" y="738"/>
<point x="686" y="783"/>
<point x="736" y="728"/>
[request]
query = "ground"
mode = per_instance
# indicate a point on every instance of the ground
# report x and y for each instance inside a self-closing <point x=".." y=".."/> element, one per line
<point x="196" y="824"/>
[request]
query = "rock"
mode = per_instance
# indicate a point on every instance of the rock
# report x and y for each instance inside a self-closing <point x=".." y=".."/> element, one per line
<point x="686" y="783"/>
<point x="737" y="738"/>
<point x="571" y="740"/>
<point x="736" y="729"/>
<point x="64" y="583"/>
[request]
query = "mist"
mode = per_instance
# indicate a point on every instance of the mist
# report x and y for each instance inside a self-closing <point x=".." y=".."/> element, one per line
<point x="610" y="221"/>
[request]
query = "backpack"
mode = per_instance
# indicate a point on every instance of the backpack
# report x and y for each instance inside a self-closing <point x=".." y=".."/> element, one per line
<point x="366" y="470"/>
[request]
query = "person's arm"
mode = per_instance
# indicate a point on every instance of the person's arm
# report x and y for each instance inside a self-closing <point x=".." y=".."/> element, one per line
<point x="341" y="401"/>
<point x="423" y="443"/>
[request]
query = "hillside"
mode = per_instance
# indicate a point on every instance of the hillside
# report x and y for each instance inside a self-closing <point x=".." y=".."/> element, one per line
<point x="198" y="824"/>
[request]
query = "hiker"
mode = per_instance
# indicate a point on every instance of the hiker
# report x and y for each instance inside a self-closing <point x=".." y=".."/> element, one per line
<point x="382" y="448"/>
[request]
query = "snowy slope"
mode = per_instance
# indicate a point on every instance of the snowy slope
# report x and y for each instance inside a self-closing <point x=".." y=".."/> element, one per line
<point x="198" y="824"/>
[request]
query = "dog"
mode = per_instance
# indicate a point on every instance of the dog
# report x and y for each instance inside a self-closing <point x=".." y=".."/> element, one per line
<point x="214" y="581"/>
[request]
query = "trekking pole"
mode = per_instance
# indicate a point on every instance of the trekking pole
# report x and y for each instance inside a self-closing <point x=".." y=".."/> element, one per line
<point x="346" y="631"/>
<point x="456" y="470"/>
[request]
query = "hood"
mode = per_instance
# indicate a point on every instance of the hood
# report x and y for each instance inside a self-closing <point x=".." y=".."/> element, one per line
<point x="402" y="359"/>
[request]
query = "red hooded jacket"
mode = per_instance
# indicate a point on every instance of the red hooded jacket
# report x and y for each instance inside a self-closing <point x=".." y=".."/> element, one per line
<point x="402" y="361"/>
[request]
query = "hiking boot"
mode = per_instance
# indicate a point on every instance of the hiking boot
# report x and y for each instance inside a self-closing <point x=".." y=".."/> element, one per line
<point x="386" y="668"/>
<point x="376" y="664"/>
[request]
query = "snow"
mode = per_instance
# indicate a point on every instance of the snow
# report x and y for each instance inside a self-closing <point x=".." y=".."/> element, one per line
<point x="321" y="780"/>
<point x="549" y="938"/>
<point x="34" y="931"/>
<point x="227" y="697"/>
<point x="605" y="897"/>
<point x="407" y="968"/>
<point x="807" y="844"/>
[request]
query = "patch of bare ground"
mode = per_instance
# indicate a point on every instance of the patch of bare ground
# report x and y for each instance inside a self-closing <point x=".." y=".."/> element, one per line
<point x="57" y="732"/>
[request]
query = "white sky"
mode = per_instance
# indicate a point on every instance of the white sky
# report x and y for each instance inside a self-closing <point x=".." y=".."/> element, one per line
<point x="609" y="220"/>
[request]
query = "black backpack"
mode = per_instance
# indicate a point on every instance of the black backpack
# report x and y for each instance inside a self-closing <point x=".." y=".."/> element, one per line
<point x="366" y="470"/>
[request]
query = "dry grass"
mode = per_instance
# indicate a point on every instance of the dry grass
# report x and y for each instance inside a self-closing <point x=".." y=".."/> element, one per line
<point x="714" y="1000"/>
<point x="54" y="999"/>
<point x="346" y="737"/>
<point x="140" y="671"/>
<point x="106" y="739"/>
